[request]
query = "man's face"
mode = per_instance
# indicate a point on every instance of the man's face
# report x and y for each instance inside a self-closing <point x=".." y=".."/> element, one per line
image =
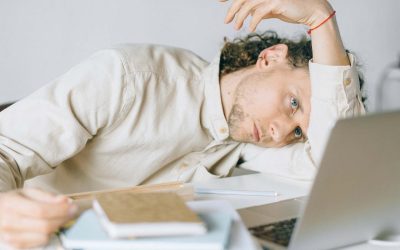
<point x="271" y="107"/>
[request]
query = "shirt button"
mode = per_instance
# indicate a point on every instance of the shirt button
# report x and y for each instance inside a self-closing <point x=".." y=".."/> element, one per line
<point x="223" y="130"/>
<point x="183" y="166"/>
<point x="347" y="81"/>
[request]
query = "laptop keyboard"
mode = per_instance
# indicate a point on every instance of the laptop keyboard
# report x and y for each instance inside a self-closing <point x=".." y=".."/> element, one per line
<point x="277" y="232"/>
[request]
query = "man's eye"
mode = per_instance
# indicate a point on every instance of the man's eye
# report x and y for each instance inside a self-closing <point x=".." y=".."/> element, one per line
<point x="294" y="103"/>
<point x="298" y="132"/>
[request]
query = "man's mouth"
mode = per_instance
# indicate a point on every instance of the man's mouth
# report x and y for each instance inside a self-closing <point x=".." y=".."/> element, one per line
<point x="256" y="135"/>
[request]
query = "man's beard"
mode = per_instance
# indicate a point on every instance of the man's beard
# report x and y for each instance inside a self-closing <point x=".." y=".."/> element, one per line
<point x="235" y="120"/>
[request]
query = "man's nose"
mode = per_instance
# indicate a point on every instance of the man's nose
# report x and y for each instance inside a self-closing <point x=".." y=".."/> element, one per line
<point x="280" y="128"/>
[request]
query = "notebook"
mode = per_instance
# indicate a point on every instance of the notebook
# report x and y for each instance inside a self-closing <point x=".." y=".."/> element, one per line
<point x="146" y="214"/>
<point x="87" y="233"/>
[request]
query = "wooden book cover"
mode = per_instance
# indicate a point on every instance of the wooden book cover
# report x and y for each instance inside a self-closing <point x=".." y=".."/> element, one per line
<point x="147" y="214"/>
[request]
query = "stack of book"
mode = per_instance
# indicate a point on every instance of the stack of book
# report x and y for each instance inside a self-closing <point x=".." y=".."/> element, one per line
<point x="147" y="221"/>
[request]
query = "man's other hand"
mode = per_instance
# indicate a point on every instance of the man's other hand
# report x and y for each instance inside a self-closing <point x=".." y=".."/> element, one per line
<point x="28" y="217"/>
<point x="308" y="12"/>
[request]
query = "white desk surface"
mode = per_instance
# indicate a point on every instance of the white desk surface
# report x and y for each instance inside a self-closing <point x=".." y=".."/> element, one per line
<point x="286" y="189"/>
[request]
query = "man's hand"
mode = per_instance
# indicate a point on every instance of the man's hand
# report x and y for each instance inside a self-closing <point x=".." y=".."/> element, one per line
<point x="308" y="12"/>
<point x="327" y="45"/>
<point x="29" y="217"/>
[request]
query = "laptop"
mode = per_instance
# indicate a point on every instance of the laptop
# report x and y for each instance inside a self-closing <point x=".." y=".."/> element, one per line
<point x="355" y="196"/>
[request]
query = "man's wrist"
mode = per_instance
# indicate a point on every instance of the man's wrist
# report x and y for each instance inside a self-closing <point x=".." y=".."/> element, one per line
<point x="322" y="23"/>
<point x="320" y="15"/>
<point x="327" y="45"/>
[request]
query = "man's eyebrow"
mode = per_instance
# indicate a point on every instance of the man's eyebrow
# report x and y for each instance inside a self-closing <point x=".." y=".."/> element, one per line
<point x="301" y="106"/>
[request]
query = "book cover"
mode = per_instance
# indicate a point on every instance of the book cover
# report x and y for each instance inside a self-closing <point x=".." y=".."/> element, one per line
<point x="147" y="214"/>
<point x="87" y="233"/>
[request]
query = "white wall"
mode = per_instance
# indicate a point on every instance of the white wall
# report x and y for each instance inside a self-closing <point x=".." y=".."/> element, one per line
<point x="41" y="39"/>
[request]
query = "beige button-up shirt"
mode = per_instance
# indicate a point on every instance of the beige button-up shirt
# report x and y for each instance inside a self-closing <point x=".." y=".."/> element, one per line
<point x="141" y="114"/>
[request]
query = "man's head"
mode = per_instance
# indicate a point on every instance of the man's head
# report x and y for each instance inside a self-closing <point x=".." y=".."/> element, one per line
<point x="266" y="89"/>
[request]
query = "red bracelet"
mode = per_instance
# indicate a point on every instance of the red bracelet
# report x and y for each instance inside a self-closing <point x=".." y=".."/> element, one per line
<point x="329" y="17"/>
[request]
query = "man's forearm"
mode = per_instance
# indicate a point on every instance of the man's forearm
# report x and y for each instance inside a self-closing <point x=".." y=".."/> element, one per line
<point x="327" y="45"/>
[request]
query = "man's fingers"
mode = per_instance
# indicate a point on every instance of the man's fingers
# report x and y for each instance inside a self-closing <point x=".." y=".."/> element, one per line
<point x="29" y="217"/>
<point x="246" y="9"/>
<point x="233" y="9"/>
<point x="258" y="15"/>
<point x="24" y="240"/>
<point x="26" y="224"/>
<point x="31" y="208"/>
<point x="39" y="195"/>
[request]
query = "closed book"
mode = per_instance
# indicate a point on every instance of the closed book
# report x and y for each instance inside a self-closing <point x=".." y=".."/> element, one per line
<point x="125" y="215"/>
<point x="88" y="234"/>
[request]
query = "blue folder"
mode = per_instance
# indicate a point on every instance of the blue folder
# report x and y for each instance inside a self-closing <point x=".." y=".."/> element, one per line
<point x="87" y="233"/>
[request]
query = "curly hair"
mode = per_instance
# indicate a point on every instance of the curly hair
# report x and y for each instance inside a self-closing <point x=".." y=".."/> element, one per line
<point x="243" y="52"/>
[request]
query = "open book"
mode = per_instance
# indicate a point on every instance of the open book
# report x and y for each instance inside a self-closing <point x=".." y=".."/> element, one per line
<point x="125" y="215"/>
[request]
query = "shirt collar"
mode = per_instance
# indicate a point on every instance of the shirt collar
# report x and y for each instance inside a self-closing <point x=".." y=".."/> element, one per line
<point x="213" y="115"/>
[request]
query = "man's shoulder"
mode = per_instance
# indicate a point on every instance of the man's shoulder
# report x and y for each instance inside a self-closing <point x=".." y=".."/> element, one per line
<point x="159" y="58"/>
<point x="151" y="49"/>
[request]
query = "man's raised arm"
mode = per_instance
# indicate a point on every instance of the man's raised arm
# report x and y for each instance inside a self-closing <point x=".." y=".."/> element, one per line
<point x="318" y="15"/>
<point x="335" y="88"/>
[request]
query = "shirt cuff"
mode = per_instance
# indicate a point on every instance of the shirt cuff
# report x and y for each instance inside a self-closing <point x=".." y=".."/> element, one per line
<point x="333" y="83"/>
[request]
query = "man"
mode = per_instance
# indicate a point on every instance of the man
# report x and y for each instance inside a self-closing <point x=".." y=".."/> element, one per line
<point x="143" y="114"/>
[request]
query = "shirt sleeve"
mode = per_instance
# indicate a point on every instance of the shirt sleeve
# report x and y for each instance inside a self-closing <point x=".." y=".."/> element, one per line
<point x="55" y="122"/>
<point x="335" y="94"/>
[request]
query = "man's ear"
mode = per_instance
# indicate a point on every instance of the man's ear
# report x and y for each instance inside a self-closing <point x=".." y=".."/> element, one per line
<point x="271" y="55"/>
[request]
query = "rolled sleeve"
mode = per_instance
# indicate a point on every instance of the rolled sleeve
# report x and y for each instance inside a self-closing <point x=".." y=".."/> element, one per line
<point x="55" y="122"/>
<point x="335" y="95"/>
<point x="334" y="83"/>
